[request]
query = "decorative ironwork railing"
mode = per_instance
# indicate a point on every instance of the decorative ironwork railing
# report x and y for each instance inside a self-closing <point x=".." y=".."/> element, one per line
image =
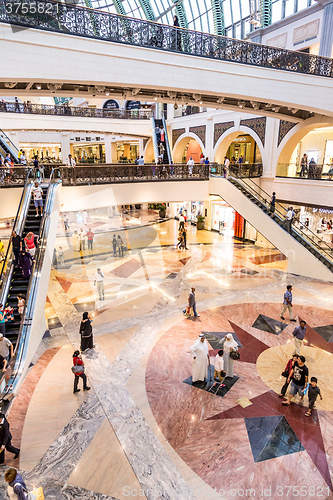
<point x="80" y="21"/>
<point x="63" y="110"/>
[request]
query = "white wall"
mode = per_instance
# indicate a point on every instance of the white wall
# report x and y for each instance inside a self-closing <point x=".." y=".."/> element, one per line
<point x="26" y="56"/>
<point x="84" y="197"/>
<point x="300" y="191"/>
<point x="10" y="199"/>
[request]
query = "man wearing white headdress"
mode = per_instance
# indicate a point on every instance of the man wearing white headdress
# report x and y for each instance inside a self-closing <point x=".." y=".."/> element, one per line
<point x="200" y="356"/>
<point x="228" y="344"/>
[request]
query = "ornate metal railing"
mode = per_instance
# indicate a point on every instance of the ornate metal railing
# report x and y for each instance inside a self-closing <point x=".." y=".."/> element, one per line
<point x="75" y="20"/>
<point x="314" y="171"/>
<point x="42" y="109"/>
<point x="240" y="169"/>
<point x="106" y="174"/>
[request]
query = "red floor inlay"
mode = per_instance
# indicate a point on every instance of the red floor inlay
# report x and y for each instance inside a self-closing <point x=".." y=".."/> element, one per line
<point x="125" y="270"/>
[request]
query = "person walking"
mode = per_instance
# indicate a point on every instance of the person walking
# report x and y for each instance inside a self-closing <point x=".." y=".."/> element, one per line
<point x="90" y="236"/>
<point x="6" y="347"/>
<point x="38" y="198"/>
<point x="313" y="393"/>
<point x="114" y="244"/>
<point x="16" y="482"/>
<point x="66" y="223"/>
<point x="304" y="165"/>
<point x="181" y="222"/>
<point x="299" y="378"/>
<point x="229" y="344"/>
<point x="288" y="303"/>
<point x="87" y="341"/>
<point x="61" y="258"/>
<point x="71" y="164"/>
<point x="120" y="246"/>
<point x="99" y="283"/>
<point x="286" y="373"/>
<point x="192" y="303"/>
<point x="82" y="238"/>
<point x="78" y="370"/>
<point x="299" y="334"/>
<point x="6" y="439"/>
<point x="184" y="236"/>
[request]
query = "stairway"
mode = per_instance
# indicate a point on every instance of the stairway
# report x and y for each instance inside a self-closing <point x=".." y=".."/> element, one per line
<point x="19" y="284"/>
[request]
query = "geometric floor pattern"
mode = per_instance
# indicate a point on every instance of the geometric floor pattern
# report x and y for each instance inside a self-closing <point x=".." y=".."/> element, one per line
<point x="269" y="325"/>
<point x="326" y="332"/>
<point x="271" y="437"/>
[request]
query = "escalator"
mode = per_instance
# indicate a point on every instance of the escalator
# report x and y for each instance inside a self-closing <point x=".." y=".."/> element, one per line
<point x="166" y="159"/>
<point x="307" y="254"/>
<point x="8" y="147"/>
<point x="19" y="284"/>
<point x="27" y="333"/>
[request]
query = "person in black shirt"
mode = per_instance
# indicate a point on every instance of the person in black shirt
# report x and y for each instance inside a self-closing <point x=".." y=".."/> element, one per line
<point x="313" y="393"/>
<point x="6" y="439"/>
<point x="16" y="241"/>
<point x="299" y="378"/>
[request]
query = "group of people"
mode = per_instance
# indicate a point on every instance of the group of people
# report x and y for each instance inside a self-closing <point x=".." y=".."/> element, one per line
<point x="118" y="245"/>
<point x="310" y="168"/>
<point x="24" y="251"/>
<point x="79" y="240"/>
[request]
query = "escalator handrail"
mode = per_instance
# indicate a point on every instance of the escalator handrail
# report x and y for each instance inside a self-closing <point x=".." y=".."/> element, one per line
<point x="306" y="236"/>
<point x="300" y="233"/>
<point x="12" y="145"/>
<point x="14" y="225"/>
<point x="154" y="138"/>
<point x="166" y="139"/>
<point x="21" y="345"/>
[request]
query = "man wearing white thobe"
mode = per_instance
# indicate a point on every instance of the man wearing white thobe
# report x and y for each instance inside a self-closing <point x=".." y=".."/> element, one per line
<point x="200" y="356"/>
<point x="190" y="165"/>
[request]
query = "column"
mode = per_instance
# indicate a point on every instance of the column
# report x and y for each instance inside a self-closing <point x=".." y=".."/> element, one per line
<point x="326" y="39"/>
<point x="65" y="146"/>
<point x="108" y="152"/>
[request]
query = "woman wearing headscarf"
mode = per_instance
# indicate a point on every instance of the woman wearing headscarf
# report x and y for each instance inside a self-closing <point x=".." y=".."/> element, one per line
<point x="177" y="43"/>
<point x="25" y="263"/>
<point x="17" y="485"/>
<point x="86" y="333"/>
<point x="229" y="344"/>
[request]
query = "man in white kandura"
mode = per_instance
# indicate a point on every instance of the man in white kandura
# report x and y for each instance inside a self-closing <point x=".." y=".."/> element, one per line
<point x="200" y="355"/>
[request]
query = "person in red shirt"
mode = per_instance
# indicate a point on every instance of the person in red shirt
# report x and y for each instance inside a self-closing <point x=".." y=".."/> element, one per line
<point x="90" y="236"/>
<point x="286" y="373"/>
<point x="77" y="361"/>
<point x="29" y="242"/>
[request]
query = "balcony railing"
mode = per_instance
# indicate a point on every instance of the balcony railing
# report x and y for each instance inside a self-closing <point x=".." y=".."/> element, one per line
<point x="240" y="169"/>
<point x="80" y="21"/>
<point x="319" y="172"/>
<point x="42" y="109"/>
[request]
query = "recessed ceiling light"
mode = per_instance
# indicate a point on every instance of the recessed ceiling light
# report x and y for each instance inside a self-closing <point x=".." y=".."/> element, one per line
<point x="38" y="87"/>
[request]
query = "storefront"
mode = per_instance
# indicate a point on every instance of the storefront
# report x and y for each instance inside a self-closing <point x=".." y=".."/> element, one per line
<point x="190" y="209"/>
<point x="88" y="152"/>
<point x="228" y="222"/>
<point x="246" y="147"/>
<point x="319" y="220"/>
<point x="50" y="152"/>
<point x="127" y="152"/>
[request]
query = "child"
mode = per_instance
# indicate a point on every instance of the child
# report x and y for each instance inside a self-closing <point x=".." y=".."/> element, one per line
<point x="218" y="368"/>
<point x="21" y="303"/>
<point x="313" y="392"/>
<point x="61" y="259"/>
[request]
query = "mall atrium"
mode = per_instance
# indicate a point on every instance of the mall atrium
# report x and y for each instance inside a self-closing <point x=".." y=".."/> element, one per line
<point x="166" y="246"/>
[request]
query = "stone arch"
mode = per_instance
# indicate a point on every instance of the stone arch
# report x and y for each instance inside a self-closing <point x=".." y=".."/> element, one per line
<point x="148" y="154"/>
<point x="181" y="143"/>
<point x="296" y="134"/>
<point x="224" y="141"/>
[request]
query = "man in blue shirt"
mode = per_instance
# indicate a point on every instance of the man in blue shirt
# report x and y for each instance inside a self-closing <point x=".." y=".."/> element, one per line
<point x="287" y="303"/>
<point x="299" y="334"/>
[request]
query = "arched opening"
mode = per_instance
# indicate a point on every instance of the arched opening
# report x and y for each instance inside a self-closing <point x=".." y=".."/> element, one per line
<point x="239" y="147"/>
<point x="111" y="104"/>
<point x="133" y="105"/>
<point x="185" y="148"/>
<point x="149" y="156"/>
<point x="312" y="143"/>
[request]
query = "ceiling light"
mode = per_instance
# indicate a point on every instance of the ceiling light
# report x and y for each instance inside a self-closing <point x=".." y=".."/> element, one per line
<point x="220" y="100"/>
<point x="38" y="86"/>
<point x="175" y="106"/>
<point x="107" y="93"/>
<point x="172" y="94"/>
<point x="294" y="110"/>
<point x="10" y="85"/>
<point x="197" y="97"/>
<point x="276" y="109"/>
<point x="255" y="105"/>
<point x="200" y="102"/>
<point x="241" y="104"/>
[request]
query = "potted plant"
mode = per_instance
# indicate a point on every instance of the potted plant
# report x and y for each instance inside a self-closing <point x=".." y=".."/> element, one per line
<point x="162" y="210"/>
<point x="200" y="222"/>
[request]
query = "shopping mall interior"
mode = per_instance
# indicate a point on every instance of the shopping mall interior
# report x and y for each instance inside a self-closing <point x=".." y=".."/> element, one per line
<point x="166" y="247"/>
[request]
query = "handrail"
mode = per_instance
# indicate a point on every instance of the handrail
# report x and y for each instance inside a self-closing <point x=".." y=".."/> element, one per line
<point x="14" y="226"/>
<point x="52" y="16"/>
<point x="22" y="344"/>
<point x="154" y="139"/>
<point x="166" y="138"/>
<point x="12" y="145"/>
<point x="76" y="111"/>
<point x="327" y="254"/>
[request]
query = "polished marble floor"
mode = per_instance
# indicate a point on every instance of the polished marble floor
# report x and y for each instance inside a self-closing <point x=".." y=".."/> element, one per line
<point x="144" y="431"/>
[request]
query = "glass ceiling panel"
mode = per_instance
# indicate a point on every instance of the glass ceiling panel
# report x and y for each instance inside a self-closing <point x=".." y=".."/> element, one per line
<point x="199" y="12"/>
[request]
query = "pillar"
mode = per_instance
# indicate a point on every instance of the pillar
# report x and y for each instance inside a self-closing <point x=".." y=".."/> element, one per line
<point x="326" y="39"/>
